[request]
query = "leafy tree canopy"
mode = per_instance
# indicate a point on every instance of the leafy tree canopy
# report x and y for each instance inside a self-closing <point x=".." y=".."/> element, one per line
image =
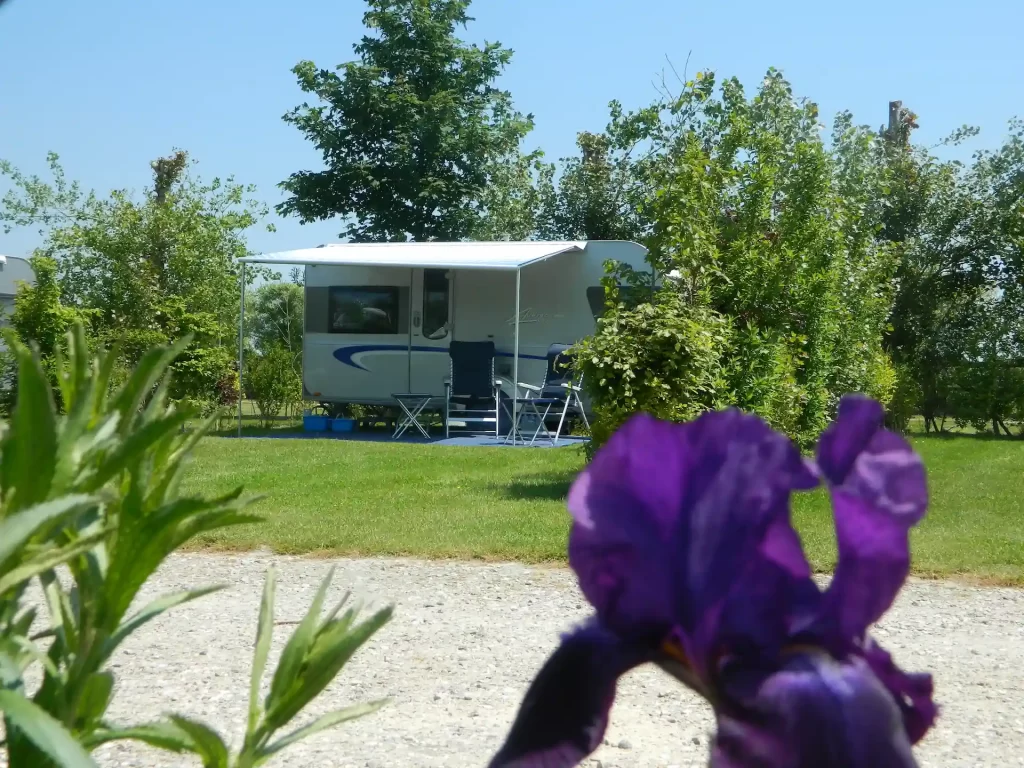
<point x="411" y="133"/>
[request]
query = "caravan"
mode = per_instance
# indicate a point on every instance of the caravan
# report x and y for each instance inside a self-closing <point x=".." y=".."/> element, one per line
<point x="379" y="317"/>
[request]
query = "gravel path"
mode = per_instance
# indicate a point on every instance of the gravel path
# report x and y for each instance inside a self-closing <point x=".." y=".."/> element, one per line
<point x="466" y="640"/>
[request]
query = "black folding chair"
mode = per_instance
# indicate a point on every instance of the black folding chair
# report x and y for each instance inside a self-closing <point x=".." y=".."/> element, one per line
<point x="472" y="388"/>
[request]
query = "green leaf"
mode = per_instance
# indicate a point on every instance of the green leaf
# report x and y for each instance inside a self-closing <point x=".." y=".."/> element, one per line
<point x="153" y="535"/>
<point x="27" y="649"/>
<point x="18" y="528"/>
<point x="137" y="444"/>
<point x="80" y="362"/>
<point x="322" y="723"/>
<point x="147" y="373"/>
<point x="21" y="626"/>
<point x="264" y="635"/>
<point x="31" y="444"/>
<point x="44" y="731"/>
<point x="167" y="736"/>
<point x="10" y="668"/>
<point x="73" y="376"/>
<point x="334" y="611"/>
<point x="62" y="618"/>
<point x="103" y="369"/>
<point x="333" y="646"/>
<point x="174" y="465"/>
<point x="205" y="742"/>
<point x="96" y="693"/>
<point x="295" y="650"/>
<point x="48" y="560"/>
<point x="150" y="611"/>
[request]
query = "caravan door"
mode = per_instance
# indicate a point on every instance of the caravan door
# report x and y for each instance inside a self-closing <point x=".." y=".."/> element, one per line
<point x="432" y="329"/>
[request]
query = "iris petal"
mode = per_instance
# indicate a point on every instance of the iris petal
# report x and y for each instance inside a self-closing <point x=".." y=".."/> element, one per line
<point x="669" y="518"/>
<point x="626" y="506"/>
<point x="564" y="715"/>
<point x="813" y="713"/>
<point x="879" y="493"/>
<point x="912" y="691"/>
<point x="777" y="586"/>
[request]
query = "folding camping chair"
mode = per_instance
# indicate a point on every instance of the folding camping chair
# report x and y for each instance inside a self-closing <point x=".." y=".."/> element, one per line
<point x="472" y="387"/>
<point x="558" y="393"/>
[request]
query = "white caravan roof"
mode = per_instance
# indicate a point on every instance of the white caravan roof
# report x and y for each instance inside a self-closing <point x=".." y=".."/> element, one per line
<point x="500" y="255"/>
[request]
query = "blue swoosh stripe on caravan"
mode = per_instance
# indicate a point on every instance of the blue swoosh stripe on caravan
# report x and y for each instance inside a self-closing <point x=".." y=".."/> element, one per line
<point x="345" y="355"/>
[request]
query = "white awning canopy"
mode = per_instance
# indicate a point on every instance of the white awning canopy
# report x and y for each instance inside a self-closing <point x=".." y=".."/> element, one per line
<point x="499" y="255"/>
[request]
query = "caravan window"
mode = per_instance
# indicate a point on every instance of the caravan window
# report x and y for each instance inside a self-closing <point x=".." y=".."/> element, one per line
<point x="595" y="297"/>
<point x="435" y="303"/>
<point x="362" y="309"/>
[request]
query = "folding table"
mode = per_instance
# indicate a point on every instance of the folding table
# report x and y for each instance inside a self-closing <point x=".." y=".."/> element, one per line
<point x="412" y="405"/>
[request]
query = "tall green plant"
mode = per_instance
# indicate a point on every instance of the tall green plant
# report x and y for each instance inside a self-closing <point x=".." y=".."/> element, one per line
<point x="97" y="489"/>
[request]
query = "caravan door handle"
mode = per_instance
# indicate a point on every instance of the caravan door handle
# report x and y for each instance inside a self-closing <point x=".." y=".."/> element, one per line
<point x="416" y="319"/>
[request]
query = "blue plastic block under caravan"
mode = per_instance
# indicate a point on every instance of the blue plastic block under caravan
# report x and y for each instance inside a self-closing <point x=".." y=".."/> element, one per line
<point x="314" y="423"/>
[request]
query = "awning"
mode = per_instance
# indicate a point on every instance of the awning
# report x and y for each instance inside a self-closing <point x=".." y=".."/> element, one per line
<point x="498" y="255"/>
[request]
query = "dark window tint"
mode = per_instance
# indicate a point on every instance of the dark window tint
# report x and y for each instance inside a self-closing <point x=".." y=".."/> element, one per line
<point x="358" y="309"/>
<point x="595" y="297"/>
<point x="435" y="303"/>
<point x="629" y="296"/>
<point x="363" y="309"/>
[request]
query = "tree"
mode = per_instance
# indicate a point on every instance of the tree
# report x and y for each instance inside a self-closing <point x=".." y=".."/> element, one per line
<point x="275" y="319"/>
<point x="596" y="194"/>
<point x="511" y="203"/>
<point x="955" y="318"/>
<point x="986" y="382"/>
<point x="412" y="133"/>
<point x="765" y="238"/>
<point x="148" y="269"/>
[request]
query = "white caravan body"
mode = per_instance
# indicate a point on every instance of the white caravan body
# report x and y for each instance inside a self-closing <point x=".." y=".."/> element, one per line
<point x="378" y="330"/>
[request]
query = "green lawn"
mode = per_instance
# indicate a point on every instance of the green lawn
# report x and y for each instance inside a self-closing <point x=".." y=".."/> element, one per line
<point x="334" y="497"/>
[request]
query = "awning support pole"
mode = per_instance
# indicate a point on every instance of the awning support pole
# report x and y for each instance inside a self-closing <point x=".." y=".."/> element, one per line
<point x="412" y="304"/>
<point x="241" y="347"/>
<point x="515" y="361"/>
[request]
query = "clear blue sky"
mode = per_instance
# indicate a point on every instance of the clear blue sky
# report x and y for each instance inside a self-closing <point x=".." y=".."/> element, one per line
<point x="112" y="84"/>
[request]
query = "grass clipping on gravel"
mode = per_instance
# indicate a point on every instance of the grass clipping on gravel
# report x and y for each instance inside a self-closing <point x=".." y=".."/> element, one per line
<point x="349" y="498"/>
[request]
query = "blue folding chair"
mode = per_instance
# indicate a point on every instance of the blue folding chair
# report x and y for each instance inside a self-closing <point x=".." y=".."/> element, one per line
<point x="558" y="393"/>
<point x="472" y="393"/>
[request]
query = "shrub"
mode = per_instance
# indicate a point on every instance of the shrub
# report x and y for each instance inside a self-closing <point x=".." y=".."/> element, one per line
<point x="97" y="490"/>
<point x="39" y="318"/>
<point x="905" y="400"/>
<point x="273" y="383"/>
<point x="664" y="358"/>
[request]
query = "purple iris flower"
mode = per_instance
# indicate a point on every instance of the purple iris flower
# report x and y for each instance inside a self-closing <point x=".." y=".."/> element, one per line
<point x="682" y="542"/>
